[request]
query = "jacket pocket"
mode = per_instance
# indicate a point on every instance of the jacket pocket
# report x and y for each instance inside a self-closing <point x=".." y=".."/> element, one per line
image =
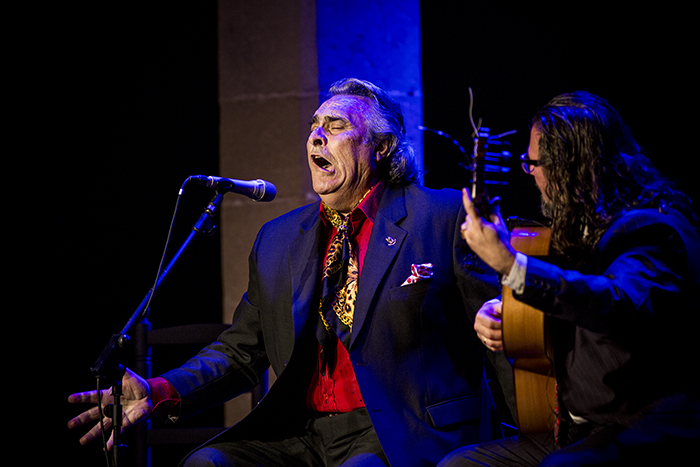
<point x="461" y="410"/>
<point x="405" y="291"/>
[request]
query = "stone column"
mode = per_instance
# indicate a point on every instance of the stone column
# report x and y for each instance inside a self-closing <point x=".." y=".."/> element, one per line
<point x="276" y="60"/>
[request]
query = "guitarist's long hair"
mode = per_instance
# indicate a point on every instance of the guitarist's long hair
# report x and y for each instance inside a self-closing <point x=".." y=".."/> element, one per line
<point x="596" y="172"/>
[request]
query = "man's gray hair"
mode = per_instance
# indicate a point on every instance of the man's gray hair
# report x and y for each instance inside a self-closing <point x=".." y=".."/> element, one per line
<point x="386" y="125"/>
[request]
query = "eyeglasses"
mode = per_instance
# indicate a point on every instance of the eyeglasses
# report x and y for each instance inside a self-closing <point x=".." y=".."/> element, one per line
<point x="528" y="164"/>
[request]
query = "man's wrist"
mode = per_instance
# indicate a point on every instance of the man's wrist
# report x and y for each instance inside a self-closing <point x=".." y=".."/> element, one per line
<point x="515" y="278"/>
<point x="165" y="399"/>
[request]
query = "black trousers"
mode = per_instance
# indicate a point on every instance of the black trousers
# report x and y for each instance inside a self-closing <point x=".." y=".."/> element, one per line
<point x="661" y="438"/>
<point x="346" y="440"/>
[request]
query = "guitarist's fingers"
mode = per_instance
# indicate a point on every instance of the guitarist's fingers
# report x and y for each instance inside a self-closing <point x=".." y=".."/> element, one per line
<point x="492" y="339"/>
<point x="485" y="329"/>
<point x="469" y="207"/>
<point x="488" y="319"/>
<point x="495" y="345"/>
<point x="495" y="208"/>
<point x="493" y="307"/>
<point x="488" y="325"/>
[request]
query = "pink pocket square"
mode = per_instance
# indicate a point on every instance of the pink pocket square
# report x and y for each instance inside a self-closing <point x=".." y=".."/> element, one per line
<point x="418" y="273"/>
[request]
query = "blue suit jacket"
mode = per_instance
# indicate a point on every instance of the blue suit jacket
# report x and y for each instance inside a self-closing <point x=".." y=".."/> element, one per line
<point x="415" y="354"/>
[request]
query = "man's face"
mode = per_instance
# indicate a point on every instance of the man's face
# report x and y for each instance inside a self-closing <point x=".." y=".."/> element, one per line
<point x="341" y="154"/>
<point x="533" y="152"/>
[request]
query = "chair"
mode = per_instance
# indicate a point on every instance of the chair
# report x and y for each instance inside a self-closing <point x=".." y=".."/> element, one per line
<point x="184" y="337"/>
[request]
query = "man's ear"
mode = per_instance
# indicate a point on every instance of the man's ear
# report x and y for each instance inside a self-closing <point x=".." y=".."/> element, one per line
<point x="381" y="150"/>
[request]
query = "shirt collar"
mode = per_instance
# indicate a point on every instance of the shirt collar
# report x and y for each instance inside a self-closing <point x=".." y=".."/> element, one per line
<point x="367" y="209"/>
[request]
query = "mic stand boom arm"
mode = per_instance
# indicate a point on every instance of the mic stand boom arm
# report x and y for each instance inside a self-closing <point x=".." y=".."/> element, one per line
<point x="109" y="364"/>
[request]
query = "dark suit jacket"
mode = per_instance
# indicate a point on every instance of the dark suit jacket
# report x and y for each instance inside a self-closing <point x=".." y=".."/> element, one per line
<point x="625" y="327"/>
<point x="416" y="357"/>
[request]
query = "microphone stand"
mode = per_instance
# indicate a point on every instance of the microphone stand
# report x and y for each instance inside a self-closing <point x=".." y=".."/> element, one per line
<point x="109" y="365"/>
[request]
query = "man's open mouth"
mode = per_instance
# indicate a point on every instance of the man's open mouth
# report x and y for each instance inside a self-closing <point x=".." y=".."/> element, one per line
<point x="321" y="161"/>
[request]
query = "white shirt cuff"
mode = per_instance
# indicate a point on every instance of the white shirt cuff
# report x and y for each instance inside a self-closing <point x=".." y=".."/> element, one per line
<point x="515" y="279"/>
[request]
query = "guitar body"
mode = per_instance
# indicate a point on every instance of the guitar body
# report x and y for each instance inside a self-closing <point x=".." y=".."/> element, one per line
<point x="525" y="342"/>
<point x="524" y="328"/>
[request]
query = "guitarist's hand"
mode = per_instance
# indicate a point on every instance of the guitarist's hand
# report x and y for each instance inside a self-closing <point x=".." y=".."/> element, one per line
<point x="488" y="325"/>
<point x="489" y="239"/>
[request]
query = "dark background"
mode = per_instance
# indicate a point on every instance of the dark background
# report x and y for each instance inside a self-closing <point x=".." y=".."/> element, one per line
<point x="516" y="57"/>
<point x="136" y="113"/>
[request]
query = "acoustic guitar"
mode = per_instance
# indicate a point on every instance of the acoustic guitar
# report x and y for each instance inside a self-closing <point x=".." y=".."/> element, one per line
<point x="526" y="343"/>
<point x="525" y="338"/>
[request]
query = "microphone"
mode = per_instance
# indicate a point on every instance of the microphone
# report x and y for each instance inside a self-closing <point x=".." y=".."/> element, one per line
<point x="258" y="190"/>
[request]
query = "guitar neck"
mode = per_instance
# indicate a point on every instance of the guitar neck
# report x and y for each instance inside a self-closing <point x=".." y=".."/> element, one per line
<point x="479" y="192"/>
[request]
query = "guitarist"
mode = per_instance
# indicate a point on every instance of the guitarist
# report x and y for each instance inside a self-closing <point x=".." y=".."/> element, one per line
<point x="623" y="299"/>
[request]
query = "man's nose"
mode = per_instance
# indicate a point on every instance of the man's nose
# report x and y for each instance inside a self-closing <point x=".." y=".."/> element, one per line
<point x="318" y="136"/>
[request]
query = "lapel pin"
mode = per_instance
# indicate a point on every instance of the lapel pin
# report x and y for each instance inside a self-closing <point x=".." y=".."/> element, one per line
<point x="391" y="241"/>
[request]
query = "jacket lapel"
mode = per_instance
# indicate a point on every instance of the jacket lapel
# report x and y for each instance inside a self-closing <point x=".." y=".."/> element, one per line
<point x="384" y="244"/>
<point x="305" y="268"/>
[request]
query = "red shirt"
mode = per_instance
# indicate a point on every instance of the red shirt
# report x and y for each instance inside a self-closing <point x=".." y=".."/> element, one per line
<point x="338" y="391"/>
<point x="335" y="391"/>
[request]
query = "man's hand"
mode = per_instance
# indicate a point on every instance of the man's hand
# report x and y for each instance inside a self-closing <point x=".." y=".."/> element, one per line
<point x="135" y="401"/>
<point x="488" y="325"/>
<point x="489" y="240"/>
